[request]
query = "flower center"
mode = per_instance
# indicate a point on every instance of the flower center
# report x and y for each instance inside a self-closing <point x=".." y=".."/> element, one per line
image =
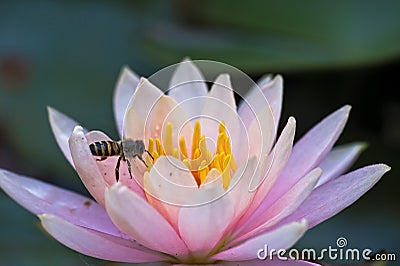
<point x="201" y="161"/>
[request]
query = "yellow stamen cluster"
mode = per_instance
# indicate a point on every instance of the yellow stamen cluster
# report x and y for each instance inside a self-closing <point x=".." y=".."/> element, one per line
<point x="200" y="161"/>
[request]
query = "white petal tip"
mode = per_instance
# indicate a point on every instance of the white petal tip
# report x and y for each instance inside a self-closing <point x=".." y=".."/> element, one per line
<point x="49" y="109"/>
<point x="362" y="146"/>
<point x="3" y="177"/>
<point x="387" y="168"/>
<point x="44" y="216"/>
<point x="126" y="70"/>
<point x="303" y="223"/>
<point x="52" y="112"/>
<point x="380" y="169"/>
<point x="186" y="59"/>
<point x="224" y="79"/>
<point x="117" y="186"/>
<point x="142" y="80"/>
<point x="292" y="120"/>
<point x="347" y="108"/>
<point x="278" y="78"/>
<point x="78" y="129"/>
<point x="318" y="171"/>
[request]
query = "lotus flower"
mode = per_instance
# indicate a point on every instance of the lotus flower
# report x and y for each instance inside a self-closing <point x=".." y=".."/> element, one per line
<point x="220" y="184"/>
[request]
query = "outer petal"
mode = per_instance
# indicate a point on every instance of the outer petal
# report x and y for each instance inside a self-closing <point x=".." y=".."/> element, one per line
<point x="86" y="165"/>
<point x="96" y="244"/>
<point x="187" y="83"/>
<point x="255" y="100"/>
<point x="62" y="127"/>
<point x="201" y="227"/>
<point x="274" y="262"/>
<point x="339" y="160"/>
<point x="335" y="195"/>
<point x="275" y="163"/>
<point x="39" y="197"/>
<point x="124" y="90"/>
<point x="290" y="201"/>
<point x="281" y="238"/>
<point x="137" y="218"/>
<point x="309" y="151"/>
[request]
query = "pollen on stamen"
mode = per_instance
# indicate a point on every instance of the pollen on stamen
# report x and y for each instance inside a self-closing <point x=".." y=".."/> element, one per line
<point x="175" y="153"/>
<point x="201" y="160"/>
<point x="159" y="147"/>
<point x="182" y="147"/>
<point x="196" y="136"/>
<point x="168" y="139"/>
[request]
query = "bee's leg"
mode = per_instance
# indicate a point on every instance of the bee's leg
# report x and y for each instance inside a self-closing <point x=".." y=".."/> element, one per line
<point x="117" y="168"/>
<point x="150" y="155"/>
<point x="140" y="158"/>
<point x="129" y="166"/>
<point x="102" y="158"/>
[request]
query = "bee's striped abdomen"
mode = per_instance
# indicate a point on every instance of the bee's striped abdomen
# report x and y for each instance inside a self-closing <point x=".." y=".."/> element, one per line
<point x="105" y="148"/>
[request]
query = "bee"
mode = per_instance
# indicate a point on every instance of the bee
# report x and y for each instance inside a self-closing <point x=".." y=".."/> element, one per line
<point x="126" y="148"/>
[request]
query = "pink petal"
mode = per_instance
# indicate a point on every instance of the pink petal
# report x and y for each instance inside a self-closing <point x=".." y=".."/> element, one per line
<point x="309" y="151"/>
<point x="138" y="219"/>
<point x="339" y="160"/>
<point x="273" y="91"/>
<point x="86" y="165"/>
<point x="203" y="226"/>
<point x="276" y="160"/>
<point x="281" y="238"/>
<point x="124" y="90"/>
<point x="222" y="90"/>
<point x="261" y="133"/>
<point x="267" y="216"/>
<point x="96" y="244"/>
<point x="150" y="110"/>
<point x="62" y="127"/>
<point x="139" y="108"/>
<point x="169" y="185"/>
<point x="335" y="195"/>
<point x="269" y="262"/>
<point x="267" y="92"/>
<point x="107" y="167"/>
<point x="187" y="83"/>
<point x="39" y="197"/>
<point x="219" y="107"/>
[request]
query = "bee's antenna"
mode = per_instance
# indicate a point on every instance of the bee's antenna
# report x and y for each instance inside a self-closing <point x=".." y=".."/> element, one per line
<point x="149" y="154"/>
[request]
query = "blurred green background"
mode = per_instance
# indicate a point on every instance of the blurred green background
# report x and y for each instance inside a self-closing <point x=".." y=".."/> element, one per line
<point x="68" y="54"/>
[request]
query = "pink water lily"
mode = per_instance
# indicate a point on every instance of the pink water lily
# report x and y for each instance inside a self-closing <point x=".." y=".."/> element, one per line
<point x="221" y="184"/>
